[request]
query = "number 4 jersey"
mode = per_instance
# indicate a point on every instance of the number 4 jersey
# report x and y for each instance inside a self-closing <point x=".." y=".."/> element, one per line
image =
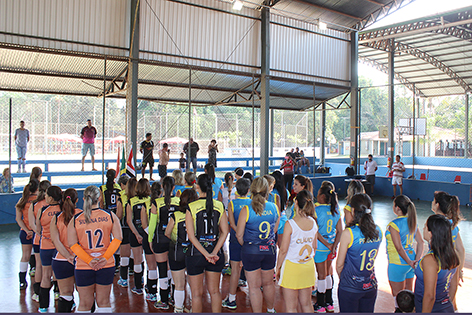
<point x="358" y="274"/>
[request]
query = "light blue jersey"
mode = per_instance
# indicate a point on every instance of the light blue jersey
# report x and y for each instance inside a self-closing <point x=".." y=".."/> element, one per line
<point x="177" y="188"/>
<point x="326" y="224"/>
<point x="216" y="188"/>
<point x="400" y="224"/>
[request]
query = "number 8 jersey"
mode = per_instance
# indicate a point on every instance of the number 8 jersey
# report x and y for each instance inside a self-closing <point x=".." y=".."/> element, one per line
<point x="358" y="274"/>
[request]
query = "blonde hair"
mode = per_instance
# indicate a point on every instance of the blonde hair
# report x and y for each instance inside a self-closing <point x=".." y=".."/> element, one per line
<point x="179" y="177"/>
<point x="270" y="179"/>
<point x="259" y="191"/>
<point x="91" y="196"/>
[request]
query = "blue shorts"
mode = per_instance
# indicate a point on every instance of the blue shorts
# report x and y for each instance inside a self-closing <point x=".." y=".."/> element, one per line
<point x="197" y="264"/>
<point x="88" y="147"/>
<point x="235" y="251"/>
<point x="47" y="256"/>
<point x="62" y="269"/>
<point x="88" y="277"/>
<point x="36" y="249"/>
<point x="23" y="239"/>
<point x="321" y="256"/>
<point x="399" y="273"/>
<point x="254" y="259"/>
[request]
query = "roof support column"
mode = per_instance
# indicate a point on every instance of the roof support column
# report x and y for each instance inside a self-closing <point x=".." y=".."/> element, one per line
<point x="132" y="92"/>
<point x="354" y="97"/>
<point x="265" y="90"/>
<point x="391" y="102"/>
<point x="323" y="134"/>
<point x="466" y="147"/>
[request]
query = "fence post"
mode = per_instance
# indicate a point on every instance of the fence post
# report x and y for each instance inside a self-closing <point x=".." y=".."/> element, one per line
<point x="466" y="153"/>
<point x="9" y="148"/>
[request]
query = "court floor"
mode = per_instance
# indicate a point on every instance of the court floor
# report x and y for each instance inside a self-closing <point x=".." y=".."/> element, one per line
<point x="13" y="300"/>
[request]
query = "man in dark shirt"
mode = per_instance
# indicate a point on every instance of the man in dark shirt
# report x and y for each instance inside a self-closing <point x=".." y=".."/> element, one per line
<point x="146" y="149"/>
<point x="88" y="135"/>
<point x="192" y="157"/>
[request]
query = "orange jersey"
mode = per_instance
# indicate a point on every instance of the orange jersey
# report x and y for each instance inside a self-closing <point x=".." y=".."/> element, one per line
<point x="47" y="212"/>
<point x="62" y="230"/>
<point x="36" y="208"/>
<point x="25" y="211"/>
<point x="94" y="237"/>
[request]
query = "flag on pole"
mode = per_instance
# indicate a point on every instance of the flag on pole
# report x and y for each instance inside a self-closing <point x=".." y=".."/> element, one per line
<point x="122" y="166"/>
<point x="130" y="170"/>
<point x="117" y="174"/>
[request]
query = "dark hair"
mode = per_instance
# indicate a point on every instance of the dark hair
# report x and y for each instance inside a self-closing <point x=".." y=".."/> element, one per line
<point x="449" y="206"/>
<point x="131" y="187"/>
<point x="259" y="192"/>
<point x="148" y="134"/>
<point x="406" y="301"/>
<point x="143" y="189"/>
<point x="165" y="145"/>
<point x="331" y="198"/>
<point x="213" y="140"/>
<point x="187" y="196"/>
<point x="168" y="183"/>
<point x="69" y="199"/>
<point x="43" y="187"/>
<point x="29" y="189"/>
<point x="22" y="121"/>
<point x="123" y="179"/>
<point x="111" y="174"/>
<point x="239" y="171"/>
<point x="305" y="182"/>
<point x="408" y="208"/>
<point x="280" y="186"/>
<point x="441" y="241"/>
<point x="210" y="170"/>
<point x="248" y="176"/>
<point x="156" y="190"/>
<point x="305" y="203"/>
<point x="355" y="187"/>
<point x="362" y="208"/>
<point x="242" y="186"/>
<point x="55" y="192"/>
<point x="398" y="156"/>
<point x="36" y="173"/>
<point x="204" y="181"/>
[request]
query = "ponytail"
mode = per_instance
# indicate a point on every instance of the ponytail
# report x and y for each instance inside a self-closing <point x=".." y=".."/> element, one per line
<point x="305" y="182"/>
<point x="91" y="196"/>
<point x="355" y="187"/>
<point x="69" y="200"/>
<point x="331" y="198"/>
<point x="407" y="208"/>
<point x="305" y="203"/>
<point x="362" y="207"/>
<point x="204" y="181"/>
<point x="29" y="189"/>
<point x="43" y="187"/>
<point x="449" y="206"/>
<point x="55" y="192"/>
<point x="110" y="179"/>
<point x="210" y="170"/>
<point x="280" y="187"/>
<point x="36" y="173"/>
<point x="168" y="185"/>
<point x="156" y="190"/>
<point x="259" y="191"/>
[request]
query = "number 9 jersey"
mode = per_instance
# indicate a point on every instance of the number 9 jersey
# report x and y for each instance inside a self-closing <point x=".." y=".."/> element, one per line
<point x="358" y="274"/>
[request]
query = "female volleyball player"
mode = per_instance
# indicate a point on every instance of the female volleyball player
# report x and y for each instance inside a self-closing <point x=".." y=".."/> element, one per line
<point x="178" y="175"/>
<point x="217" y="184"/>
<point x="355" y="187"/>
<point x="128" y="188"/>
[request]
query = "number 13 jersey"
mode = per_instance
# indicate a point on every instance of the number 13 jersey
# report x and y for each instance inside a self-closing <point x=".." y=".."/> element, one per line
<point x="358" y="274"/>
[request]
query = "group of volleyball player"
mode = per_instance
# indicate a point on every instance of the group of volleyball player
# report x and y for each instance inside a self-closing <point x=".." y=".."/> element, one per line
<point x="189" y="227"/>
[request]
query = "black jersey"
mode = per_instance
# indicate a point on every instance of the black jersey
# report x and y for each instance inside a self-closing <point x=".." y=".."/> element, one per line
<point x="163" y="215"/>
<point x="111" y="197"/>
<point x="137" y="205"/>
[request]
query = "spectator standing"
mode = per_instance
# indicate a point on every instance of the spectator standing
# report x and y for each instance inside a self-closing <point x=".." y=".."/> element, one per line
<point x="370" y="167"/>
<point x="212" y="150"/>
<point x="163" y="160"/>
<point x="288" y="165"/>
<point x="192" y="155"/>
<point x="398" y="168"/>
<point x="21" y="142"/>
<point x="146" y="148"/>
<point x="88" y="135"/>
<point x="5" y="178"/>
<point x="296" y="159"/>
<point x="182" y="162"/>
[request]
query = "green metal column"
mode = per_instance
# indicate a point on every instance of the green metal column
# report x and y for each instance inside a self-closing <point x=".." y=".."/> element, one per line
<point x="265" y="90"/>
<point x="354" y="97"/>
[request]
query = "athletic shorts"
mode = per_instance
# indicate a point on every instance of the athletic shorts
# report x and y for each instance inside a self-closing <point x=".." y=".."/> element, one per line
<point x="321" y="256"/>
<point x="62" y="269"/>
<point x="399" y="273"/>
<point x="370" y="179"/>
<point x="176" y="265"/>
<point x="126" y="232"/>
<point x="235" y="251"/>
<point x="36" y="249"/>
<point x="148" y="160"/>
<point x="133" y="241"/>
<point x="197" y="264"/>
<point x="46" y="256"/>
<point x="88" y="277"/>
<point x="397" y="180"/>
<point x="86" y="147"/>
<point x="162" y="169"/>
<point x="23" y="239"/>
<point x="161" y="247"/>
<point x="253" y="258"/>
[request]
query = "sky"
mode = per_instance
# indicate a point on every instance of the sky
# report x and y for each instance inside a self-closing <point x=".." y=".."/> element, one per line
<point x="414" y="10"/>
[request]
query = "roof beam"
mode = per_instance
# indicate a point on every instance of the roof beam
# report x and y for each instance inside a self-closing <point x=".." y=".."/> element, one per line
<point x="328" y="9"/>
<point x="380" y="13"/>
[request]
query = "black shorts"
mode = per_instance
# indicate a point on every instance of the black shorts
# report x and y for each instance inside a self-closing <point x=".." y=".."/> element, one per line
<point x="62" y="269"/>
<point x="47" y="256"/>
<point x="23" y="239"/>
<point x="162" y="169"/>
<point x="148" y="160"/>
<point x="370" y="179"/>
<point x="177" y="257"/>
<point x="133" y="241"/>
<point x="161" y="247"/>
<point x="125" y="231"/>
<point x="197" y="264"/>
<point x="88" y="277"/>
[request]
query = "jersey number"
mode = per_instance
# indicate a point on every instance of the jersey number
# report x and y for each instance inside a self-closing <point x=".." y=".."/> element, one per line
<point x="99" y="233"/>
<point x="113" y="199"/>
<point x="264" y="228"/>
<point x="329" y="227"/>
<point x="371" y="257"/>
<point x="304" y="258"/>
<point x="207" y="230"/>
<point x="409" y="239"/>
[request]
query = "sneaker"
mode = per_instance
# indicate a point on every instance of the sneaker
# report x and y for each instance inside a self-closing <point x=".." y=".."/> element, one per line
<point x="117" y="270"/>
<point x="178" y="309"/>
<point x="137" y="291"/>
<point x="272" y="312"/>
<point x="56" y="295"/>
<point x="130" y="272"/>
<point x="313" y="293"/>
<point x="151" y="297"/>
<point x="330" y="308"/>
<point x="171" y="301"/>
<point x="231" y="305"/>
<point x="319" y="309"/>
<point x="226" y="270"/>
<point x="161" y="306"/>
<point x="23" y="285"/>
<point x="42" y="310"/>
<point x="32" y="272"/>
<point x="242" y="283"/>
<point x="19" y="171"/>
<point x="123" y="283"/>
<point x="35" y="297"/>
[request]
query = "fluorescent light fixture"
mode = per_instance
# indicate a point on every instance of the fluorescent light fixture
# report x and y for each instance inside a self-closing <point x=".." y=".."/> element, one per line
<point x="322" y="25"/>
<point x="237" y="5"/>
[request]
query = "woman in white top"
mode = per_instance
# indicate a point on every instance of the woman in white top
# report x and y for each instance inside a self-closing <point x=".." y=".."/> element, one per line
<point x="229" y="189"/>
<point x="295" y="269"/>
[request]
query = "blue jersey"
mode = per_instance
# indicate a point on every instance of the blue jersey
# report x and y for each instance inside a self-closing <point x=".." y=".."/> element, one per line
<point x="283" y="220"/>
<point x="273" y="197"/>
<point x="442" y="285"/>
<point x="236" y="206"/>
<point x="260" y="229"/>
<point x="400" y="224"/>
<point x="358" y="274"/>
<point x="326" y="224"/>
<point x="184" y="188"/>
<point x="455" y="232"/>
<point x="177" y="188"/>
<point x="216" y="187"/>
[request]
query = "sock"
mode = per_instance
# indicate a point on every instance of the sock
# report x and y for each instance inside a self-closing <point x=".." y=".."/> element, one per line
<point x="329" y="296"/>
<point x="32" y="261"/>
<point x="22" y="276"/>
<point x="395" y="301"/>
<point x="117" y="260"/>
<point x="56" y="287"/>
<point x="179" y="297"/>
<point x="124" y="263"/>
<point x="76" y="311"/>
<point x="44" y="297"/>
<point x="329" y="282"/>
<point x="169" y="275"/>
<point x="271" y="310"/>
<point x="36" y="287"/>
<point x="320" y="299"/>
<point x="138" y="276"/>
<point x="322" y="286"/>
<point x="232" y="297"/>
<point x="23" y="266"/>
<point x="103" y="310"/>
<point x="131" y="256"/>
<point x="64" y="305"/>
<point x="152" y="281"/>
